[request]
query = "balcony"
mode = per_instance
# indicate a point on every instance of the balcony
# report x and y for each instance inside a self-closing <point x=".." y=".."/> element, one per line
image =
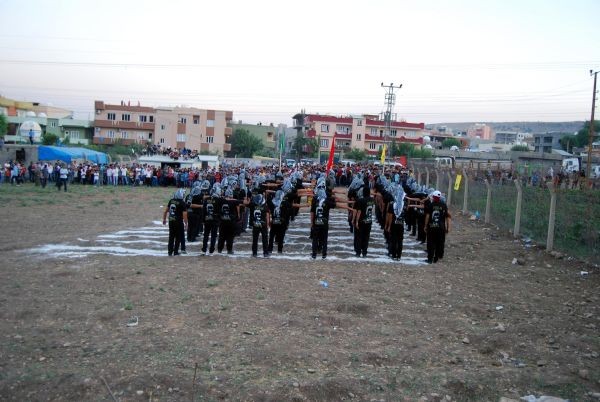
<point x="181" y="127"/>
<point x="226" y="147"/>
<point x="131" y="125"/>
<point x="370" y="137"/>
<point x="228" y="130"/>
<point x="343" y="136"/>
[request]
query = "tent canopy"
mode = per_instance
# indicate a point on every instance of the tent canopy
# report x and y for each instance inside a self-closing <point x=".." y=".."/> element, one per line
<point x="67" y="154"/>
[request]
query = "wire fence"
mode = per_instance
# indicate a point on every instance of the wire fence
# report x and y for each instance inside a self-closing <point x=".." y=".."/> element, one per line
<point x="577" y="213"/>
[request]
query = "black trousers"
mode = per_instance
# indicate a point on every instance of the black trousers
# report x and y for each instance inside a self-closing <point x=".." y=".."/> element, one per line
<point x="319" y="240"/>
<point x="396" y="240"/>
<point x="421" y="235"/>
<point x="226" y="234"/>
<point x="361" y="238"/>
<point x="175" y="236"/>
<point x="277" y="233"/>
<point x="264" y="233"/>
<point x="60" y="183"/>
<point x="436" y="239"/>
<point x="193" y="226"/>
<point x="210" y="229"/>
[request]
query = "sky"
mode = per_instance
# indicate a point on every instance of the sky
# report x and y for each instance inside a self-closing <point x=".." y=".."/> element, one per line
<point x="459" y="60"/>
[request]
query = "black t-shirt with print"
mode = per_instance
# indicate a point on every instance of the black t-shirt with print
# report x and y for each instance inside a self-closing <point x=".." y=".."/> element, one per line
<point x="176" y="209"/>
<point x="321" y="210"/>
<point x="437" y="211"/>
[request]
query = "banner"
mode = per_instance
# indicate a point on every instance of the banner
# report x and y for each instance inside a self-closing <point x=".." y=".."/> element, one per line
<point x="331" y="153"/>
<point x="383" y="154"/>
<point x="457" y="182"/>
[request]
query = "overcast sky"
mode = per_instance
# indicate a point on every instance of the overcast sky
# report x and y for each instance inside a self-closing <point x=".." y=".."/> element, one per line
<point x="265" y="60"/>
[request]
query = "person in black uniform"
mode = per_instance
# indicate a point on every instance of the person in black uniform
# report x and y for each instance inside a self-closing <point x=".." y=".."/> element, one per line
<point x="228" y="218"/>
<point x="194" y="198"/>
<point x="437" y="225"/>
<point x="394" y="224"/>
<point x="205" y="192"/>
<point x="280" y="212"/>
<point x="319" y="221"/>
<point x="363" y="219"/>
<point x="210" y="216"/>
<point x="260" y="220"/>
<point x="177" y="214"/>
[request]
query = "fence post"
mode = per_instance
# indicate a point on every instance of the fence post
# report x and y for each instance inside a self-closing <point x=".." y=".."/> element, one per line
<point x="426" y="176"/>
<point x="449" y="196"/>
<point x="552" y="217"/>
<point x="437" y="179"/>
<point x="488" y="203"/>
<point x="466" y="180"/>
<point x="517" y="228"/>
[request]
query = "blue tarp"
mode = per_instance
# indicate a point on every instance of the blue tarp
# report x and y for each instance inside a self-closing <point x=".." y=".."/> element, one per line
<point x="66" y="154"/>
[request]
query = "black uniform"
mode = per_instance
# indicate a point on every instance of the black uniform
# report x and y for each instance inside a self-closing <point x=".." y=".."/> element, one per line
<point x="194" y="215"/>
<point x="320" y="211"/>
<point x="258" y="221"/>
<point x="396" y="233"/>
<point x="436" y="230"/>
<point x="176" y="232"/>
<point x="210" y="214"/>
<point x="366" y="206"/>
<point x="279" y="221"/>
<point x="228" y="218"/>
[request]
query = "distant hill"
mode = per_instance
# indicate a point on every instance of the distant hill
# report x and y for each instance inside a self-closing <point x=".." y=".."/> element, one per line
<point x="520" y="126"/>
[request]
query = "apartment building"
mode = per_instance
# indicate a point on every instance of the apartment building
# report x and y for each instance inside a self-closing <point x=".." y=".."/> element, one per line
<point x="365" y="132"/>
<point x="481" y="131"/>
<point x="175" y="127"/>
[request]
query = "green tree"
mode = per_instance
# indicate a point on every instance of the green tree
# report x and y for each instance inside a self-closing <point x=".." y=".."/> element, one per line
<point x="3" y="125"/>
<point x="49" y="139"/>
<point x="568" y="142"/>
<point x="520" y="148"/>
<point x="583" y="135"/>
<point x="450" y="142"/>
<point x="305" y="146"/>
<point x="356" y="155"/>
<point x="244" y="144"/>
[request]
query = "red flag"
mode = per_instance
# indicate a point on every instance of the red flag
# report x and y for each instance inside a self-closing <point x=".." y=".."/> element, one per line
<point x="331" y="152"/>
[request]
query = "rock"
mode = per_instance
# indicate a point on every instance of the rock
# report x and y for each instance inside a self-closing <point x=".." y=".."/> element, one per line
<point x="310" y="370"/>
<point x="556" y="254"/>
<point x="66" y="344"/>
<point x="541" y="363"/>
<point x="295" y="385"/>
<point x="350" y="394"/>
<point x="584" y="373"/>
<point x="505" y="399"/>
<point x="139" y="392"/>
<point x="500" y="328"/>
<point x="170" y="389"/>
<point x="42" y="358"/>
<point x="518" y="261"/>
<point x="466" y="340"/>
<point x="595" y="395"/>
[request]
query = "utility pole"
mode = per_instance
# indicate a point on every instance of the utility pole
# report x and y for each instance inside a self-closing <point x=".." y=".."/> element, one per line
<point x="591" y="139"/>
<point x="390" y="101"/>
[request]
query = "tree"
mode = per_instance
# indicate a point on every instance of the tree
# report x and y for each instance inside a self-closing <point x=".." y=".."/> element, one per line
<point x="305" y="146"/>
<point x="450" y="142"/>
<point x="49" y="139"/>
<point x="568" y="142"/>
<point x="3" y="125"/>
<point x="244" y="144"/>
<point x="520" y="148"/>
<point x="583" y="135"/>
<point x="356" y="155"/>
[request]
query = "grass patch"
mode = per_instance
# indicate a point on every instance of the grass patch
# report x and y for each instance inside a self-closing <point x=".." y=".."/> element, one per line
<point x="211" y="283"/>
<point x="128" y="305"/>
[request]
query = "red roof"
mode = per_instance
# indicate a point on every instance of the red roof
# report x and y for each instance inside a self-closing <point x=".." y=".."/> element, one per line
<point x="328" y="119"/>
<point x="399" y="124"/>
<point x="312" y="118"/>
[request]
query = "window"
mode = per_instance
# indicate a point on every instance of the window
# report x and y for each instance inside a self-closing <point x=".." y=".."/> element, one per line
<point x="97" y="130"/>
<point x="210" y="123"/>
<point x="393" y="132"/>
<point x="141" y="136"/>
<point x="126" y="117"/>
<point x="324" y="143"/>
<point x="151" y="119"/>
<point x="52" y="124"/>
<point x="180" y="137"/>
<point x="381" y="133"/>
<point x="343" y="129"/>
<point x="112" y="116"/>
<point x="372" y="146"/>
<point x="324" y="128"/>
<point x="110" y="134"/>
<point x="162" y="126"/>
<point x="182" y="120"/>
<point x="196" y="119"/>
<point x="162" y="140"/>
<point x="210" y="140"/>
<point x="73" y="135"/>
<point x="373" y="131"/>
<point x="124" y="134"/>
<point x="358" y="137"/>
<point x="142" y="118"/>
<point x="359" y="123"/>
<point x="379" y="147"/>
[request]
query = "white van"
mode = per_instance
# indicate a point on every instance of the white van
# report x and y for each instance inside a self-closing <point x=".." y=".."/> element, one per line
<point x="595" y="172"/>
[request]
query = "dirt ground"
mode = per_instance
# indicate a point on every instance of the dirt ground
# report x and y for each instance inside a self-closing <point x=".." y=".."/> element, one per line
<point x="473" y="327"/>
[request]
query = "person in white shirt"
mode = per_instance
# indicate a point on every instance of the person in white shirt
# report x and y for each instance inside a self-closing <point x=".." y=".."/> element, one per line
<point x="63" y="177"/>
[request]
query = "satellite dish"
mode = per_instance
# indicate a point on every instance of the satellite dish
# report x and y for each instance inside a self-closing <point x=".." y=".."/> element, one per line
<point x="30" y="114"/>
<point x="42" y="114"/>
<point x="426" y="138"/>
<point x="428" y="146"/>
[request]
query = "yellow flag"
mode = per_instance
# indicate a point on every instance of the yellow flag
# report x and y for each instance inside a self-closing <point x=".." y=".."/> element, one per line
<point x="383" y="154"/>
<point x="457" y="182"/>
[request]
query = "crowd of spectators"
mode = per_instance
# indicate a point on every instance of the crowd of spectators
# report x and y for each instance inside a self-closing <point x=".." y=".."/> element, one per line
<point x="173" y="153"/>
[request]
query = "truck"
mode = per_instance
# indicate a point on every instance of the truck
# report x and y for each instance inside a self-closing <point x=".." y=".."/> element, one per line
<point x="571" y="165"/>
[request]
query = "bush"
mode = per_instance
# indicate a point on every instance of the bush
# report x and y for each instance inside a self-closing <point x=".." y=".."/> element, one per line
<point x="49" y="139"/>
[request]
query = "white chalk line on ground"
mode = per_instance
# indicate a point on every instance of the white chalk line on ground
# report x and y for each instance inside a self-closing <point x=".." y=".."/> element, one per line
<point x="151" y="241"/>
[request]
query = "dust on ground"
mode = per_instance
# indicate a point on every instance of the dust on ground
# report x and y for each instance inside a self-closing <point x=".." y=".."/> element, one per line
<point x="473" y="327"/>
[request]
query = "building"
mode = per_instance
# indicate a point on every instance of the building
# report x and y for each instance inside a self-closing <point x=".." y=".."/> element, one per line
<point x="175" y="127"/>
<point x="482" y="131"/>
<point x="50" y="119"/>
<point x="512" y="137"/>
<point x="545" y="143"/>
<point x="267" y="134"/>
<point x="364" y="132"/>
